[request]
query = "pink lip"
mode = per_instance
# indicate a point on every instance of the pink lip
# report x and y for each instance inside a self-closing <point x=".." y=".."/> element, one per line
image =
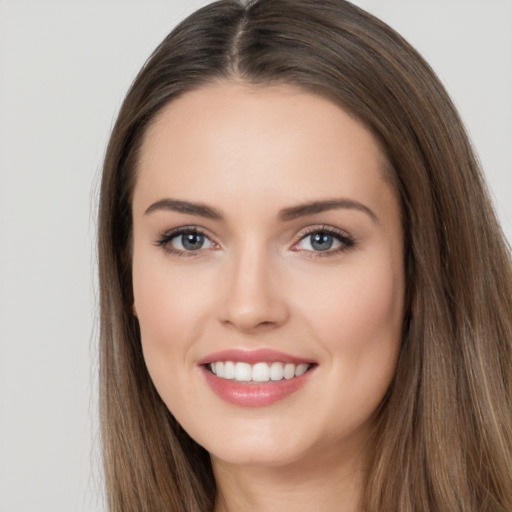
<point x="250" y="394"/>
<point x="262" y="355"/>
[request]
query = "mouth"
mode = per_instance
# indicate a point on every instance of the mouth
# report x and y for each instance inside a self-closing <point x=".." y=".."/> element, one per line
<point x="255" y="378"/>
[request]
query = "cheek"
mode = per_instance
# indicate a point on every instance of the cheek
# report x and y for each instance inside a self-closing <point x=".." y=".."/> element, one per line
<point x="359" y="322"/>
<point x="359" y="326"/>
<point x="169" y="305"/>
<point x="375" y="303"/>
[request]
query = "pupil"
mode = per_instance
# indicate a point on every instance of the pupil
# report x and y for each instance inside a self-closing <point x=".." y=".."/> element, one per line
<point x="321" y="241"/>
<point x="192" y="241"/>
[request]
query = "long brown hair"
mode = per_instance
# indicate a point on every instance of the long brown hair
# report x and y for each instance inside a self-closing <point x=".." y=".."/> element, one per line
<point x="444" y="438"/>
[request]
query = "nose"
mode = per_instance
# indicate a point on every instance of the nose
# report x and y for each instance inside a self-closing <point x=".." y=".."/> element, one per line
<point x="254" y="299"/>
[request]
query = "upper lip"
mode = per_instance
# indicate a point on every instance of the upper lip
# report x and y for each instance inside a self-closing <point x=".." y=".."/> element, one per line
<point x="262" y="355"/>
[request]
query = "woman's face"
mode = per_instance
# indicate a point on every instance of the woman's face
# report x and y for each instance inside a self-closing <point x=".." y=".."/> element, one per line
<point x="267" y="249"/>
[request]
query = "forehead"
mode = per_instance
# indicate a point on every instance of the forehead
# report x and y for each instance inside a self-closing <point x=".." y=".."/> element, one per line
<point x="233" y="139"/>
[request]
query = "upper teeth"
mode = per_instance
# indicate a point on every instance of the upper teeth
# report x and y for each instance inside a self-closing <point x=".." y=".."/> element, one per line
<point x="259" y="372"/>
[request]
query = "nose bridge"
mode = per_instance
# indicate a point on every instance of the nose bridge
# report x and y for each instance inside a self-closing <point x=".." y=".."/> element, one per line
<point x="252" y="299"/>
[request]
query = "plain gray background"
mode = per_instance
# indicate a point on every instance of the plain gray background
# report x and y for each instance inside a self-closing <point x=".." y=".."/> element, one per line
<point x="65" y="67"/>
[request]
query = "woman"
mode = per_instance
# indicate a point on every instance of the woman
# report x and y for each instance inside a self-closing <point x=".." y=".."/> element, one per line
<point x="306" y="298"/>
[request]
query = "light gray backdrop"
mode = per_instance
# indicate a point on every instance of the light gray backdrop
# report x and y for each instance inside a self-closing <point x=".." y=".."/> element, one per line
<point x="64" y="68"/>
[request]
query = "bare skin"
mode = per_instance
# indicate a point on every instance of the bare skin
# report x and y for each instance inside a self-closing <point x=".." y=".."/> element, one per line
<point x="331" y="483"/>
<point x="230" y="254"/>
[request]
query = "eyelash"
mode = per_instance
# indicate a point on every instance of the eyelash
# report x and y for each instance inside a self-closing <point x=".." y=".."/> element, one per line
<point x="346" y="242"/>
<point x="164" y="241"/>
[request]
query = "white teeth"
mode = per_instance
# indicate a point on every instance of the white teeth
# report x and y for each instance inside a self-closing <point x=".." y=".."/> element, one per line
<point x="276" y="371"/>
<point x="289" y="371"/>
<point x="301" y="369"/>
<point x="259" y="372"/>
<point x="243" y="372"/>
<point x="229" y="370"/>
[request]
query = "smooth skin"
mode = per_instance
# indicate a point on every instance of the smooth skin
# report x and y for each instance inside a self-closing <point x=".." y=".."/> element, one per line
<point x="256" y="277"/>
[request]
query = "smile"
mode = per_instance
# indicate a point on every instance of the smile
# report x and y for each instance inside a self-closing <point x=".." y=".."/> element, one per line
<point x="259" y="372"/>
<point x="255" y="378"/>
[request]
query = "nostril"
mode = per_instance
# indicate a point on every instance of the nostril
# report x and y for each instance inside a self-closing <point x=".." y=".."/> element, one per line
<point x="248" y="326"/>
<point x="258" y="314"/>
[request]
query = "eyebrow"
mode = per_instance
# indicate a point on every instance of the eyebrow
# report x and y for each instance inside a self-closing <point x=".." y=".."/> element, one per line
<point x="302" y="210"/>
<point x="187" y="207"/>
<point x="286" y="214"/>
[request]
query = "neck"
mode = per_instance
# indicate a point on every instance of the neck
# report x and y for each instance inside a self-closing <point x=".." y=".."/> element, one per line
<point x="330" y="484"/>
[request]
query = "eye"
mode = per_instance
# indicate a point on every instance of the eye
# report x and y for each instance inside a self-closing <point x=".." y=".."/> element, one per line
<point x="185" y="240"/>
<point x="190" y="242"/>
<point x="324" y="240"/>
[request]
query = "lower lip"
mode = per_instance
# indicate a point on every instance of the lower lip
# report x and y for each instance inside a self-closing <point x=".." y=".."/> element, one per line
<point x="251" y="394"/>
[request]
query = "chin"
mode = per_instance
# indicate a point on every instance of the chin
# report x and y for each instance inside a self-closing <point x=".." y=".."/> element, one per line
<point x="255" y="456"/>
<point x="254" y="447"/>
